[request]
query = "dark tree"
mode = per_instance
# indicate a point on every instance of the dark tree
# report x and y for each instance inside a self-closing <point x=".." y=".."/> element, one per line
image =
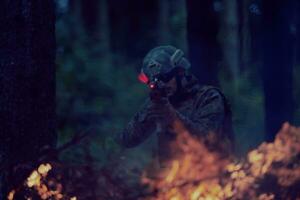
<point x="297" y="31"/>
<point x="134" y="25"/>
<point x="278" y="48"/>
<point x="27" y="86"/>
<point x="89" y="12"/>
<point x="204" y="49"/>
<point x="230" y="39"/>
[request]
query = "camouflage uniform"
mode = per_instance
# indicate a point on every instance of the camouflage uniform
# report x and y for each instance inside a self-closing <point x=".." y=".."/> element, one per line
<point x="201" y="110"/>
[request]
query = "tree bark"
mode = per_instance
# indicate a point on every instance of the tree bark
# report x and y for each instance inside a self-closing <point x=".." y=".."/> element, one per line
<point x="27" y="86"/>
<point x="133" y="27"/>
<point x="89" y="13"/>
<point x="230" y="38"/>
<point x="245" y="55"/>
<point x="164" y="22"/>
<point x="278" y="49"/>
<point x="204" y="49"/>
<point x="172" y="24"/>
<point x="178" y="26"/>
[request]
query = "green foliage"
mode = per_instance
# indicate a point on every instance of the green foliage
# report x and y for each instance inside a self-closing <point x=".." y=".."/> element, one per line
<point x="97" y="87"/>
<point x="94" y="89"/>
<point x="246" y="98"/>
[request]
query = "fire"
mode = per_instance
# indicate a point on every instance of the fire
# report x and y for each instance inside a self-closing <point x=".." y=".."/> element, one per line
<point x="198" y="174"/>
<point x="44" y="169"/>
<point x="175" y="166"/>
<point x="38" y="182"/>
<point x="34" y="180"/>
<point x="11" y="195"/>
<point x="269" y="172"/>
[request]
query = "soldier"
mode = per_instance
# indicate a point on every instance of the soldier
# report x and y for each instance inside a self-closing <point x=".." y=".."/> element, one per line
<point x="176" y="96"/>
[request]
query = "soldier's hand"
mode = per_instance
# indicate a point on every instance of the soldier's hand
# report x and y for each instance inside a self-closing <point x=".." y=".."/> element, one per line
<point x="158" y="94"/>
<point x="158" y="112"/>
<point x="155" y="114"/>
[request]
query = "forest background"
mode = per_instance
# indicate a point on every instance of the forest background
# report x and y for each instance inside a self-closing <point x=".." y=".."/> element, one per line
<point x="253" y="58"/>
<point x="248" y="48"/>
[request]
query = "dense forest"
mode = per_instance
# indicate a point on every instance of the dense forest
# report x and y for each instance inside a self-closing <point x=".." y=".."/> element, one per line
<point x="68" y="82"/>
<point x="251" y="56"/>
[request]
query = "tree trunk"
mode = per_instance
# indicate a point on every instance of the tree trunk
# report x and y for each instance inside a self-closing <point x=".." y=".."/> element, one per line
<point x="27" y="86"/>
<point x="297" y="23"/>
<point x="164" y="22"/>
<point x="230" y="38"/>
<point x="102" y="50"/>
<point x="135" y="31"/>
<point x="172" y="24"/>
<point x="178" y="25"/>
<point x="245" y="56"/>
<point x="202" y="30"/>
<point x="104" y="32"/>
<point x="89" y="13"/>
<point x="278" y="49"/>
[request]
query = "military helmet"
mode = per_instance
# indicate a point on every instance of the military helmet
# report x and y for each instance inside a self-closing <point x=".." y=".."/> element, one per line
<point x="161" y="62"/>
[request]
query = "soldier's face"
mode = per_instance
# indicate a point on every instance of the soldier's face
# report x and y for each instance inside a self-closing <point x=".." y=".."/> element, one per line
<point x="171" y="86"/>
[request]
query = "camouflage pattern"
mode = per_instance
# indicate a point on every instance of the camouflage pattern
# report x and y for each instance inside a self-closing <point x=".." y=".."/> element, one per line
<point x="202" y="110"/>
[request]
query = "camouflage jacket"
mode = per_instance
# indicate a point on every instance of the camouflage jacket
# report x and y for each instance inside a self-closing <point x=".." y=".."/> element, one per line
<point x="202" y="110"/>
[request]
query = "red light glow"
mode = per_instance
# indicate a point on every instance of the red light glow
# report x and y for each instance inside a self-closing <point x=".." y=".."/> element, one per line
<point x="143" y="78"/>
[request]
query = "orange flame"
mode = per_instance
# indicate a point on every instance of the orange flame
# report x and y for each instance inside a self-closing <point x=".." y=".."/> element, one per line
<point x="38" y="181"/>
<point x="197" y="174"/>
<point x="11" y="195"/>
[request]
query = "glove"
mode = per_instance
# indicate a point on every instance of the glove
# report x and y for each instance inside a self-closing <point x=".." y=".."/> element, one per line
<point x="160" y="111"/>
